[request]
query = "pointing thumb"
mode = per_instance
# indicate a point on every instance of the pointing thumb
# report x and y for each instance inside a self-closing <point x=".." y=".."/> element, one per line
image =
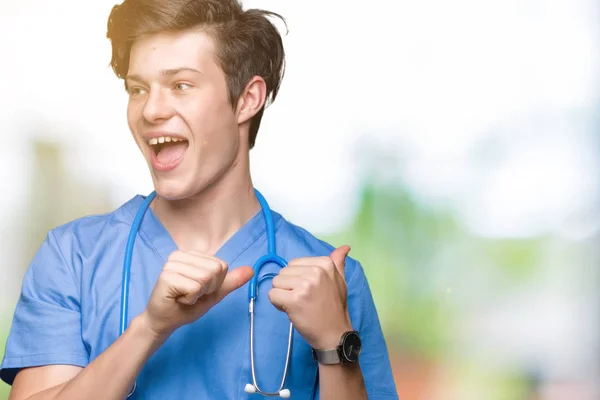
<point x="338" y="256"/>
<point x="235" y="279"/>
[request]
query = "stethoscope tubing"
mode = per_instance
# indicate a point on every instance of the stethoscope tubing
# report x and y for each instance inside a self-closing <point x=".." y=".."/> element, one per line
<point x="271" y="256"/>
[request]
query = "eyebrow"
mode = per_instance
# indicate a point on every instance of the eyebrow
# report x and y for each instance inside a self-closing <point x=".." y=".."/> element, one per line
<point x="164" y="72"/>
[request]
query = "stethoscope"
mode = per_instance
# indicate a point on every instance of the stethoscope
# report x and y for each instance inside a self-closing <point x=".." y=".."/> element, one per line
<point x="271" y="256"/>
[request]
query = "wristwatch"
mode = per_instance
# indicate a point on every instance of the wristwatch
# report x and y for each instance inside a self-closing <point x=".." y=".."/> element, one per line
<point x="347" y="352"/>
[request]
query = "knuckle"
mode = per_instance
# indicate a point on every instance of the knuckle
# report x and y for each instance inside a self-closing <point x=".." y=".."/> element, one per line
<point x="211" y="266"/>
<point x="320" y="276"/>
<point x="324" y="260"/>
<point x="166" y="275"/>
<point x="328" y="263"/>
<point x="303" y="290"/>
<point x="317" y="273"/>
<point x="203" y="278"/>
<point x="297" y="298"/>
<point x="174" y="256"/>
<point x="196" y="287"/>
<point x="224" y="266"/>
<point x="167" y="279"/>
<point x="306" y="286"/>
<point x="293" y="261"/>
<point x="218" y="266"/>
<point x="316" y="280"/>
<point x="276" y="281"/>
<point x="215" y="263"/>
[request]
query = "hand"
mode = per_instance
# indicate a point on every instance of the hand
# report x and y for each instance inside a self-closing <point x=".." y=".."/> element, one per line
<point x="312" y="291"/>
<point x="188" y="286"/>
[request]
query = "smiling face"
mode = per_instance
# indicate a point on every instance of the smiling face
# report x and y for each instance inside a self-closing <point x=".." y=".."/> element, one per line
<point x="180" y="115"/>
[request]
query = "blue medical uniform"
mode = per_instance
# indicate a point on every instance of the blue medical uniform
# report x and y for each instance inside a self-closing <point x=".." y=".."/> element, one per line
<point x="68" y="312"/>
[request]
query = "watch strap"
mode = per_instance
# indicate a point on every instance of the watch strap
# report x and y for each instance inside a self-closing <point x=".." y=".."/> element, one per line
<point x="327" y="357"/>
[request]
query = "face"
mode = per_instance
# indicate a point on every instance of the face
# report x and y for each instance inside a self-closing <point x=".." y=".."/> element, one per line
<point x="179" y="112"/>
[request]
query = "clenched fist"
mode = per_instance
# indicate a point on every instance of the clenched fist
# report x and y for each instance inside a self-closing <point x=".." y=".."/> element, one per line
<point x="188" y="286"/>
<point x="312" y="291"/>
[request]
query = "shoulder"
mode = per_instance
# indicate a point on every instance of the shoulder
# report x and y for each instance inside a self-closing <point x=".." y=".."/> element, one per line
<point x="298" y="241"/>
<point x="96" y="224"/>
<point x="67" y="247"/>
<point x="83" y="234"/>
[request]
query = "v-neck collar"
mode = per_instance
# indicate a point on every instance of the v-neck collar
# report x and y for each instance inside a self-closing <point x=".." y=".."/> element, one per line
<point x="156" y="233"/>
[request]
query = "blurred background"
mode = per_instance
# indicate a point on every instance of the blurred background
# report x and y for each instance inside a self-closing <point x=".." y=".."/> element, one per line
<point x="454" y="145"/>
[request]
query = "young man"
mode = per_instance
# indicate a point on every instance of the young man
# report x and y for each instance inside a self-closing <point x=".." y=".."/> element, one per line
<point x="198" y="74"/>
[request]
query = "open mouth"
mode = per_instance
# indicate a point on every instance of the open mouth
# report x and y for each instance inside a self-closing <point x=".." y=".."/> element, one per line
<point x="168" y="149"/>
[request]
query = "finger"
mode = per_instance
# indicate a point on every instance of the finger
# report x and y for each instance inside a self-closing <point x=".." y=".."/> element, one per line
<point x="234" y="279"/>
<point x="318" y="261"/>
<point x="205" y="256"/>
<point x="199" y="274"/>
<point x="324" y="262"/>
<point x="286" y="282"/>
<point x="338" y="256"/>
<point x="208" y="279"/>
<point x="281" y="299"/>
<point x="218" y="279"/>
<point x="295" y="270"/>
<point x="209" y="271"/>
<point x="183" y="289"/>
<point x="194" y="258"/>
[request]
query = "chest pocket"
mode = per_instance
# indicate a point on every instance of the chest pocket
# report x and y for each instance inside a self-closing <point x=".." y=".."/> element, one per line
<point x="271" y="333"/>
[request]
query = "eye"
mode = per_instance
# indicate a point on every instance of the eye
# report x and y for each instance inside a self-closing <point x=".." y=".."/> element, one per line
<point x="181" y="86"/>
<point x="135" y="90"/>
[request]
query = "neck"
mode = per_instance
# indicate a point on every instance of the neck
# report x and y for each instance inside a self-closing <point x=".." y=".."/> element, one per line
<point x="204" y="222"/>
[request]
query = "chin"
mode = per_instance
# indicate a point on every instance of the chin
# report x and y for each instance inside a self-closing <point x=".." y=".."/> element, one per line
<point x="172" y="189"/>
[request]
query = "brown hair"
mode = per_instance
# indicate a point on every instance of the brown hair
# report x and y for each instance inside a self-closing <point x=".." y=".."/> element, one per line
<point x="247" y="43"/>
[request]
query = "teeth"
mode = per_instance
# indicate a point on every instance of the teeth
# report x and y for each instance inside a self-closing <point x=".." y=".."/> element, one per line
<point x="163" y="139"/>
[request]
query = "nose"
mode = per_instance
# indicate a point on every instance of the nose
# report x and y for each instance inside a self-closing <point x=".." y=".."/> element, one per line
<point x="157" y="107"/>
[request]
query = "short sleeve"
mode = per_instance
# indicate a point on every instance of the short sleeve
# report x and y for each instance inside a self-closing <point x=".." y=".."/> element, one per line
<point x="374" y="359"/>
<point x="46" y="327"/>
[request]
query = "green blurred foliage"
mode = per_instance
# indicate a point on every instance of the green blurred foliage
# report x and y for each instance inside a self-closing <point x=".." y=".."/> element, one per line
<point x="517" y="258"/>
<point x="4" y="328"/>
<point x="395" y="240"/>
<point x="421" y="263"/>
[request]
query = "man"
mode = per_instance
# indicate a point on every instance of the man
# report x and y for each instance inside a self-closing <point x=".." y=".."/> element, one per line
<point x="198" y="74"/>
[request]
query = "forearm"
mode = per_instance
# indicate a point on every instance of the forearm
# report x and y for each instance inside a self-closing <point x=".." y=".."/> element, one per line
<point x="112" y="374"/>
<point x="341" y="381"/>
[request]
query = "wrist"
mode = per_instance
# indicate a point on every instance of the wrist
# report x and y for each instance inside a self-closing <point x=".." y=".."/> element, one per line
<point x="144" y="329"/>
<point x="347" y="351"/>
<point x="331" y="339"/>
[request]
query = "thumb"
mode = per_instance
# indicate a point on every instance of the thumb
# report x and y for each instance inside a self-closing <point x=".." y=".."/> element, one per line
<point x="338" y="256"/>
<point x="235" y="279"/>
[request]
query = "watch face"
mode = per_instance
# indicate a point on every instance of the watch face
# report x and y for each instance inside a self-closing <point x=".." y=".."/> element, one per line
<point x="352" y="347"/>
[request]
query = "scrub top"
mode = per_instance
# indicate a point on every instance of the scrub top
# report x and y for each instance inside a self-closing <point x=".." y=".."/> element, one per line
<point x="68" y="312"/>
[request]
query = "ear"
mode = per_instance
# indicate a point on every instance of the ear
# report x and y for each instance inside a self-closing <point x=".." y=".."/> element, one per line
<point x="252" y="99"/>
